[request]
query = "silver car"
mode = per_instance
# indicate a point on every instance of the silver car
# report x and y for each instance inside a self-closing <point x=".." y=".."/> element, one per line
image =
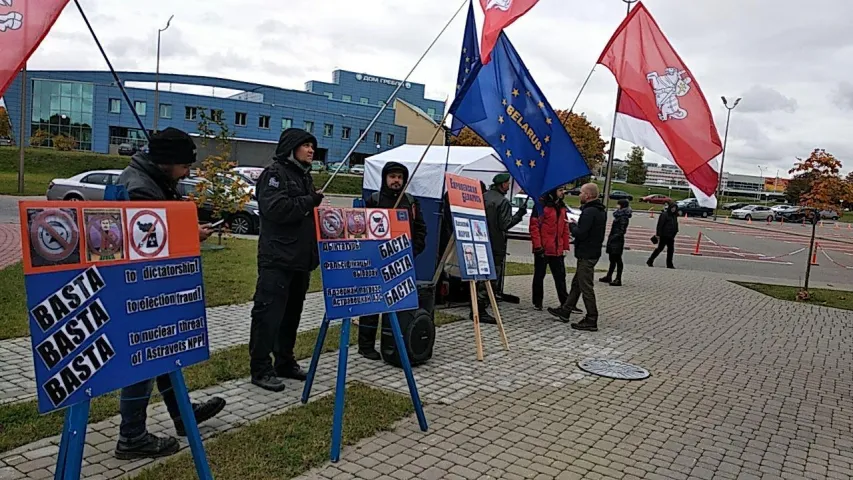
<point x="753" y="212"/>
<point x="84" y="186"/>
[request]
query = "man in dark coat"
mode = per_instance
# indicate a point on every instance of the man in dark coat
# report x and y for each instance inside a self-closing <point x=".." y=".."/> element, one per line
<point x="394" y="177"/>
<point x="588" y="235"/>
<point x="499" y="220"/>
<point x="154" y="177"/>
<point x="616" y="243"/>
<point x="287" y="253"/>
<point x="665" y="234"/>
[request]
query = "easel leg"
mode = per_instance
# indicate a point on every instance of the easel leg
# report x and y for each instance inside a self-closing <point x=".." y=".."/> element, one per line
<point x="497" y="314"/>
<point x="450" y="245"/>
<point x="475" y="309"/>
<point x="182" y="395"/>
<point x="315" y="359"/>
<point x="340" y="392"/>
<point x="407" y="368"/>
<point x="70" y="459"/>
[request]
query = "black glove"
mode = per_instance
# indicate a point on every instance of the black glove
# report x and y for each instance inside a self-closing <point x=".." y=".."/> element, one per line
<point x="317" y="198"/>
<point x="523" y="209"/>
<point x="539" y="251"/>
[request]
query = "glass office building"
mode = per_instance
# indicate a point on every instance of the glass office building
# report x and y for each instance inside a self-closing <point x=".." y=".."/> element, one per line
<point x="63" y="108"/>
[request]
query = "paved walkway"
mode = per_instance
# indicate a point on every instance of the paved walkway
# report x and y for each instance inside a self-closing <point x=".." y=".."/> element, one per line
<point x="743" y="386"/>
<point x="10" y="244"/>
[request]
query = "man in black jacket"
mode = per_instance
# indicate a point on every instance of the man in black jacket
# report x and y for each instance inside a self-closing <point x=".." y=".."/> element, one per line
<point x="394" y="177"/>
<point x="588" y="237"/>
<point x="154" y="177"/>
<point x="665" y="233"/>
<point x="287" y="253"/>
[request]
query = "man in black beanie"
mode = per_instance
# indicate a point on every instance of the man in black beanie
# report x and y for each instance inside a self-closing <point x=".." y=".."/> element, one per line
<point x="154" y="177"/>
<point x="287" y="253"/>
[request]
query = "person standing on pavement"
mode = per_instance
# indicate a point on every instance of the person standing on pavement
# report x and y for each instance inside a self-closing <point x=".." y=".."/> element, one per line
<point x="287" y="253"/>
<point x="588" y="235"/>
<point x="549" y="234"/>
<point x="394" y="177"/>
<point x="499" y="220"/>
<point x="665" y="234"/>
<point x="154" y="176"/>
<point x="616" y="243"/>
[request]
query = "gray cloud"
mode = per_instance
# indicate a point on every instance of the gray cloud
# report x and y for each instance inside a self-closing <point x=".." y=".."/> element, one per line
<point x="843" y="95"/>
<point x="762" y="99"/>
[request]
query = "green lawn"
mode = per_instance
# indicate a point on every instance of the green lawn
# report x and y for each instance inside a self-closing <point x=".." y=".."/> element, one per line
<point x="21" y="423"/>
<point x="288" y="444"/>
<point x="819" y="296"/>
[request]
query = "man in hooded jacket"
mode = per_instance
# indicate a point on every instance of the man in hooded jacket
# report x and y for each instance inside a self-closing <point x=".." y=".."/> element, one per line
<point x="394" y="177"/>
<point x="287" y="253"/>
<point x="154" y="176"/>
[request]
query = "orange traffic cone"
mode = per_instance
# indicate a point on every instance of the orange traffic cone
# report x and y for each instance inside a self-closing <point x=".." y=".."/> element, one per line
<point x="651" y="213"/>
<point x="814" y="255"/>
<point x="698" y="241"/>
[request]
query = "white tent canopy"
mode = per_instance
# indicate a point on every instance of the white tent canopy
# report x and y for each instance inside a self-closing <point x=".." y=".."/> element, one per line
<point x="481" y="163"/>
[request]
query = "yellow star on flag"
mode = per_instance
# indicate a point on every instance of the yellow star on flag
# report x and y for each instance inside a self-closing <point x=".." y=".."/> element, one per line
<point x="503" y="138"/>
<point x="529" y="94"/>
<point x="514" y="92"/>
<point x="467" y="59"/>
<point x="541" y="104"/>
<point x="466" y="70"/>
<point x="518" y="163"/>
<point x="504" y="102"/>
<point x="509" y="153"/>
<point x="501" y="119"/>
<point x="464" y="50"/>
<point x="532" y="163"/>
<point x="542" y="153"/>
<point x="547" y="138"/>
<point x="548" y="120"/>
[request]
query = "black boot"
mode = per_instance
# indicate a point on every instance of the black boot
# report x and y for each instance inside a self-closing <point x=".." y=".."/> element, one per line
<point x="149" y="446"/>
<point x="484" y="317"/>
<point x="268" y="381"/>
<point x="369" y="352"/>
<point x="616" y="283"/>
<point x="605" y="279"/>
<point x="562" y="313"/>
<point x="203" y="412"/>
<point x="291" y="370"/>
<point x="586" y="325"/>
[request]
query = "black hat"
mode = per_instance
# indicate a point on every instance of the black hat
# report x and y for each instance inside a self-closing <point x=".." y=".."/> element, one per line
<point x="291" y="139"/>
<point x="172" y="147"/>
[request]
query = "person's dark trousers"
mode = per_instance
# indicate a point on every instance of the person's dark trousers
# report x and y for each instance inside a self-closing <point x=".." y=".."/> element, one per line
<point x="134" y="405"/>
<point x="615" y="264"/>
<point x="583" y="284"/>
<point x="558" y="270"/>
<point x="367" y="326"/>
<point x="669" y="244"/>
<point x="279" y="297"/>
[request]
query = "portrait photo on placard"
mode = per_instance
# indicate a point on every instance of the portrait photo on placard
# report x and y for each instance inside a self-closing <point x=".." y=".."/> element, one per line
<point x="104" y="234"/>
<point x="54" y="236"/>
<point x="481" y="232"/>
<point x="470" y="258"/>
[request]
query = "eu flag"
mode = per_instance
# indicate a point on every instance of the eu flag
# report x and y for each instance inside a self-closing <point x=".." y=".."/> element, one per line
<point x="503" y="105"/>
<point x="470" y="56"/>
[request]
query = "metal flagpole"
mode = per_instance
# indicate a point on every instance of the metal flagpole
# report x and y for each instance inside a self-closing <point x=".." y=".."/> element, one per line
<point x="719" y="190"/>
<point x="438" y="128"/>
<point x="23" y="124"/>
<point x="612" y="153"/>
<point x="390" y="98"/>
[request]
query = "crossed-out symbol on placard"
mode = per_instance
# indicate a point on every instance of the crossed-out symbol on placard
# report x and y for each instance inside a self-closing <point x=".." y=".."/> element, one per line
<point x="54" y="239"/>
<point x="156" y="226"/>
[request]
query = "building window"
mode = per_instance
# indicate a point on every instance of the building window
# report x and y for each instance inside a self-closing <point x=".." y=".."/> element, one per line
<point x="390" y="139"/>
<point x="190" y="113"/>
<point x="346" y="98"/>
<point x="345" y="132"/>
<point x="361" y="134"/>
<point x="240" y="119"/>
<point x="328" y="95"/>
<point x="216" y="115"/>
<point x="377" y="138"/>
<point x="140" y="107"/>
<point x="364" y="101"/>
<point x="63" y="108"/>
<point x="328" y="129"/>
<point x="431" y="112"/>
<point x="286" y="123"/>
<point x="165" y="111"/>
<point x="115" y="105"/>
<point x="308" y="126"/>
<point x="264" y="121"/>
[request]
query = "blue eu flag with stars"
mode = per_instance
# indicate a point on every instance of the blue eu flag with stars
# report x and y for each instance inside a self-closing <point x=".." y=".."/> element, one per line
<point x="503" y="105"/>
<point x="470" y="56"/>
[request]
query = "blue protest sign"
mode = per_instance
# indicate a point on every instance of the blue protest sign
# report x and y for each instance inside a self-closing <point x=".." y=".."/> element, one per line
<point x="114" y="294"/>
<point x="366" y="261"/>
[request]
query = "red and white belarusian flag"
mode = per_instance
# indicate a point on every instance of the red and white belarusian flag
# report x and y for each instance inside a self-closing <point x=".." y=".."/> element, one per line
<point x="23" y="25"/>
<point x="661" y="106"/>
<point x="499" y="15"/>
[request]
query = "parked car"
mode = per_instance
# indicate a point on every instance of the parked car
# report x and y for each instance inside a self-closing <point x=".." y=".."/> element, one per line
<point x="522" y="229"/>
<point x="317" y="166"/>
<point x="830" y="214"/>
<point x="798" y="214"/>
<point x="248" y="174"/>
<point x="656" y="198"/>
<point x="357" y="170"/>
<point x="247" y="185"/>
<point x="734" y="206"/>
<point x="691" y="208"/>
<point x="753" y="212"/>
<point x="126" y="149"/>
<point x="243" y="222"/>
<point x="620" y="195"/>
<point x="333" y="167"/>
<point x="84" y="186"/>
<point x="5" y="142"/>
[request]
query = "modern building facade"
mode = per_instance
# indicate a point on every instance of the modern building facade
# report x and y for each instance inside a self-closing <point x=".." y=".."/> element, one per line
<point x="89" y="107"/>
<point x="668" y="175"/>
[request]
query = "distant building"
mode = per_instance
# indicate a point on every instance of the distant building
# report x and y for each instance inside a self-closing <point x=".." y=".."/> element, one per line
<point x="89" y="107"/>
<point x="668" y="175"/>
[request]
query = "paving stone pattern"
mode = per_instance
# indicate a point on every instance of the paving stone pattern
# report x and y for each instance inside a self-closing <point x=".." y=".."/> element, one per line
<point x="742" y="386"/>
<point x="10" y="244"/>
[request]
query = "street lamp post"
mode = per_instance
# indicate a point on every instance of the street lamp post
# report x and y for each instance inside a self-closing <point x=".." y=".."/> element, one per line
<point x="719" y="191"/>
<point x="761" y="171"/>
<point x="157" y="75"/>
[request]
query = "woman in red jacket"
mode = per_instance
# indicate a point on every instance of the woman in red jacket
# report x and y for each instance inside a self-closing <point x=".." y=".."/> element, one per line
<point x="549" y="233"/>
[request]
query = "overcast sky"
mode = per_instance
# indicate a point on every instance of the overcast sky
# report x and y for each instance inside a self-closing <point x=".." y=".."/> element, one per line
<point x="791" y="61"/>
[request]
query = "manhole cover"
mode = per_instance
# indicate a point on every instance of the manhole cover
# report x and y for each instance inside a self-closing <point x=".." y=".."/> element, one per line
<point x="613" y="369"/>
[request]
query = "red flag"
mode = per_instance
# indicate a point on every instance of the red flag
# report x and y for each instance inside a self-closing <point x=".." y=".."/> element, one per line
<point x="23" y="25"/>
<point x="661" y="106"/>
<point x="499" y="15"/>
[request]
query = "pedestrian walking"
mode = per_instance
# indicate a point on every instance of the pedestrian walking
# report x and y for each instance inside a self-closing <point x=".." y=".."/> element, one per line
<point x="665" y="233"/>
<point x="616" y="243"/>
